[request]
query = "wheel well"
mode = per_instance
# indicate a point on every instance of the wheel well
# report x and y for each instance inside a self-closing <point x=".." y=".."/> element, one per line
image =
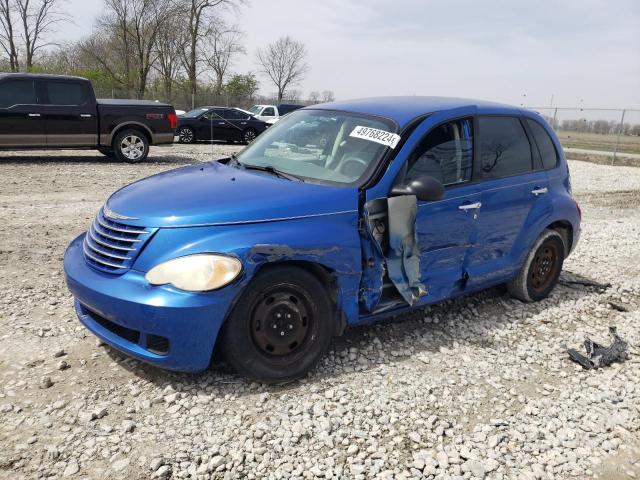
<point x="565" y="229"/>
<point x="326" y="277"/>
<point x="132" y="126"/>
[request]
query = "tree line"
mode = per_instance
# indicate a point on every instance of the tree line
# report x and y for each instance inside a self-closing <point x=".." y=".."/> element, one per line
<point x="180" y="51"/>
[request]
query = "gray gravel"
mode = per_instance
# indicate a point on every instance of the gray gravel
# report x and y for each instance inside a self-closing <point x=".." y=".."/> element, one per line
<point x="479" y="387"/>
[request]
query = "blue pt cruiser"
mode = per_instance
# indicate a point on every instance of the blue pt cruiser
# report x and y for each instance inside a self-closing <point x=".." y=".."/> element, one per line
<point x="338" y="215"/>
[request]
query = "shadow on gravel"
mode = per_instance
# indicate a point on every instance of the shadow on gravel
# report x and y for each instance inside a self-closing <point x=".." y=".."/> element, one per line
<point x="494" y="307"/>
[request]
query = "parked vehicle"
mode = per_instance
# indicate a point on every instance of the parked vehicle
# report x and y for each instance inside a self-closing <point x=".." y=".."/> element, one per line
<point x="219" y="123"/>
<point x="57" y="112"/>
<point x="338" y="215"/>
<point x="271" y="113"/>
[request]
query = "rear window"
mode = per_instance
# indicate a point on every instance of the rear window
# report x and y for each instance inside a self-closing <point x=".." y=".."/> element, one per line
<point x="235" y="115"/>
<point x="64" y="93"/>
<point x="544" y="143"/>
<point x="17" y="92"/>
<point x="504" y="147"/>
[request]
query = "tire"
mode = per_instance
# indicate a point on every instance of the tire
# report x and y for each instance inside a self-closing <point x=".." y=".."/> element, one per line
<point x="541" y="269"/>
<point x="186" y="135"/>
<point x="106" y="151"/>
<point x="249" y="135"/>
<point x="262" y="342"/>
<point x="131" y="146"/>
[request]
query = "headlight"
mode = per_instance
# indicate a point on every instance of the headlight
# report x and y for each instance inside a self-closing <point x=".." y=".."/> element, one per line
<point x="196" y="273"/>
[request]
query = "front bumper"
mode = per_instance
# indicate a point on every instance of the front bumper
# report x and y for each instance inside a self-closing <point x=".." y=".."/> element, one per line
<point x="170" y="328"/>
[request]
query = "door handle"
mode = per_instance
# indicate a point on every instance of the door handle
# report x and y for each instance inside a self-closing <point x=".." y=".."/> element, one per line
<point x="470" y="206"/>
<point x="221" y="123"/>
<point x="539" y="191"/>
<point x="85" y="115"/>
<point x="34" y="114"/>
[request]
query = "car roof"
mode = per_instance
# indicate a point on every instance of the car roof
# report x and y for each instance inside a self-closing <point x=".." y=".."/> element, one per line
<point x="41" y="76"/>
<point x="403" y="110"/>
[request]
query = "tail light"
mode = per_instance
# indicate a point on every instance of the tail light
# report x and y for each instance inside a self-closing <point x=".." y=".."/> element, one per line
<point x="173" y="120"/>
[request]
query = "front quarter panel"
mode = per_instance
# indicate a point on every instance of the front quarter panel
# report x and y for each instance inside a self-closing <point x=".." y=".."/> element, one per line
<point x="330" y="241"/>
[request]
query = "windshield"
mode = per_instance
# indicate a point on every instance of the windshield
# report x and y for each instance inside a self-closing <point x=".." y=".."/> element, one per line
<point x="194" y="113"/>
<point x="322" y="145"/>
<point x="255" y="109"/>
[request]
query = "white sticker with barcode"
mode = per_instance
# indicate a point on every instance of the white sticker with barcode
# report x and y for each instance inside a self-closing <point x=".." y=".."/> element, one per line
<point x="379" y="136"/>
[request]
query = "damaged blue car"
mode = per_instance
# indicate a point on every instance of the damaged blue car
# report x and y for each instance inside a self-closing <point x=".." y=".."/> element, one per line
<point x="340" y="214"/>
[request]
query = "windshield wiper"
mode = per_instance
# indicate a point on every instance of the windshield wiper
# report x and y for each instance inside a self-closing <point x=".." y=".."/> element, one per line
<point x="271" y="170"/>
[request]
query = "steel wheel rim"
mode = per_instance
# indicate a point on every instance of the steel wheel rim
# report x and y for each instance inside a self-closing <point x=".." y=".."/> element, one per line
<point x="132" y="147"/>
<point x="544" y="267"/>
<point x="185" y="135"/>
<point x="281" y="321"/>
<point x="249" y="136"/>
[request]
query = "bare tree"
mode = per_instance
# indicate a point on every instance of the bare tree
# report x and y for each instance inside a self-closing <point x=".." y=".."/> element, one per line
<point x="223" y="44"/>
<point x="38" y="17"/>
<point x="168" y="52"/>
<point x="327" y="96"/>
<point x="7" y="35"/>
<point x="284" y="62"/>
<point x="199" y="14"/>
<point x="314" y="97"/>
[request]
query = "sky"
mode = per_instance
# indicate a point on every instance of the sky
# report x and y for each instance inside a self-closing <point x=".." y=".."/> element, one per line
<point x="534" y="52"/>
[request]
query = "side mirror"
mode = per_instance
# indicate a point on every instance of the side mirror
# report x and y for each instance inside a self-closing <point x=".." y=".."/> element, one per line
<point x="425" y="188"/>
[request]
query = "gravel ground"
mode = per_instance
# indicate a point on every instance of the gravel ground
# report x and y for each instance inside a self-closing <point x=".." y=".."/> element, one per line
<point x="479" y="387"/>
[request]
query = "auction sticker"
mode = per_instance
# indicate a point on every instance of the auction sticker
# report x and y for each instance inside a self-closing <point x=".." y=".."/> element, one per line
<point x="379" y="136"/>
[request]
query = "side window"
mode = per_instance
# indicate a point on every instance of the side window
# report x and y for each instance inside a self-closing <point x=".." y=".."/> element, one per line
<point x="545" y="144"/>
<point x="504" y="147"/>
<point x="445" y="153"/>
<point x="232" y="114"/>
<point x="66" y="93"/>
<point x="268" y="112"/>
<point x="216" y="114"/>
<point x="17" y="92"/>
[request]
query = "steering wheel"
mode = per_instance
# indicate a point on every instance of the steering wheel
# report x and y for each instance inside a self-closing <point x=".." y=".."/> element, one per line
<point x="342" y="168"/>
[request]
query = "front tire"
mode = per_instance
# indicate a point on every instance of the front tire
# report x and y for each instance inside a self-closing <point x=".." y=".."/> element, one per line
<point x="131" y="146"/>
<point x="186" y="135"/>
<point x="540" y="272"/>
<point x="280" y="327"/>
<point x="249" y="135"/>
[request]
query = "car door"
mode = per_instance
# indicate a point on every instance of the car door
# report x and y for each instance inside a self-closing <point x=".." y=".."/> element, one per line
<point x="21" y="122"/>
<point x="69" y="113"/>
<point x="212" y="126"/>
<point x="446" y="229"/>
<point x="237" y="121"/>
<point x="514" y="195"/>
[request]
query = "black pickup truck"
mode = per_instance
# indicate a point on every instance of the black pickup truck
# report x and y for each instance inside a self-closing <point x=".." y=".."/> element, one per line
<point x="57" y="112"/>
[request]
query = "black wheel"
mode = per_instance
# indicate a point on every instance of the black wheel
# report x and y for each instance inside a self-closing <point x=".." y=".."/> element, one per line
<point x="106" y="151"/>
<point x="541" y="269"/>
<point x="131" y="146"/>
<point x="280" y="327"/>
<point x="249" y="135"/>
<point x="186" y="135"/>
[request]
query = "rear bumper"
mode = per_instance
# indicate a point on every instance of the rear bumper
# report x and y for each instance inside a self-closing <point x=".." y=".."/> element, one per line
<point x="163" y="138"/>
<point x="163" y="326"/>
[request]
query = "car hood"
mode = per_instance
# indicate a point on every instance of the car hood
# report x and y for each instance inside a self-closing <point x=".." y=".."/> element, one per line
<point x="216" y="194"/>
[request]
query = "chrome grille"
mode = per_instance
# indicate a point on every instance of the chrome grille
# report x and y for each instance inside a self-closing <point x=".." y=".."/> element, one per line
<point x="113" y="246"/>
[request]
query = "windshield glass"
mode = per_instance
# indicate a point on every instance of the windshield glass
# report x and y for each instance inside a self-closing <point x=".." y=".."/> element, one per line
<point x="194" y="113"/>
<point x="319" y="144"/>
<point x="255" y="109"/>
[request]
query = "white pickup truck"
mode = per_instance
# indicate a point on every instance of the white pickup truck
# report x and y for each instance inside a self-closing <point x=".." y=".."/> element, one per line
<point x="271" y="113"/>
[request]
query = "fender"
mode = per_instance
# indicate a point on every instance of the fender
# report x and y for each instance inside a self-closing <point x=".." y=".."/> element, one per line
<point x="107" y="139"/>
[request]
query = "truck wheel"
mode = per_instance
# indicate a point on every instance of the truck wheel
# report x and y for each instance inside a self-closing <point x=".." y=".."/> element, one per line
<point x="541" y="269"/>
<point x="280" y="327"/>
<point x="131" y="146"/>
<point x="249" y="135"/>
<point x="186" y="135"/>
<point x="106" y="151"/>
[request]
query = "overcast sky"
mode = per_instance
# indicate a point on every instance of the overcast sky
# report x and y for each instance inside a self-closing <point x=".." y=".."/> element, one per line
<point x="580" y="51"/>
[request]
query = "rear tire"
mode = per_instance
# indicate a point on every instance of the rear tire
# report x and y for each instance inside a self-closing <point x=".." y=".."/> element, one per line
<point x="280" y="327"/>
<point x="107" y="152"/>
<point x="186" y="135"/>
<point x="249" y="135"/>
<point x="541" y="269"/>
<point x="131" y="146"/>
